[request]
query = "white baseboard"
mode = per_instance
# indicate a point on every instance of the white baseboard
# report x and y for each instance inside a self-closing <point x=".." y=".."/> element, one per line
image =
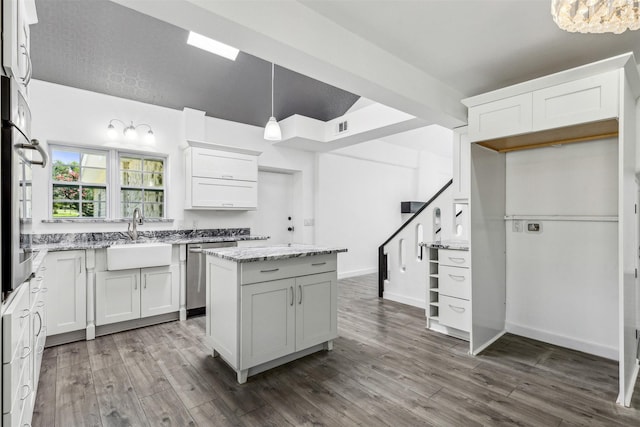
<point x="404" y="299"/>
<point x="354" y="273"/>
<point x="563" y="341"/>
<point x="629" y="390"/>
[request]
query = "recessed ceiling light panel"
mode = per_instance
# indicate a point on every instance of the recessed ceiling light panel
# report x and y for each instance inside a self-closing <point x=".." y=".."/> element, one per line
<point x="213" y="46"/>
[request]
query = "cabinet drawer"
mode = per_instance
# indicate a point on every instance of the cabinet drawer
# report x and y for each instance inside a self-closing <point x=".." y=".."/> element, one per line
<point x="13" y="372"/>
<point x="262" y="271"/>
<point x="455" y="282"/>
<point x="455" y="312"/>
<point x="224" y="193"/>
<point x="454" y="258"/>
<point x="14" y="322"/>
<point x="581" y="101"/>
<point x="36" y="288"/>
<point x="224" y="165"/>
<point x="509" y="116"/>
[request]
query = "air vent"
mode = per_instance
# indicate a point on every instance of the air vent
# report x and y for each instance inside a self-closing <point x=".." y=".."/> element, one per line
<point x="343" y="126"/>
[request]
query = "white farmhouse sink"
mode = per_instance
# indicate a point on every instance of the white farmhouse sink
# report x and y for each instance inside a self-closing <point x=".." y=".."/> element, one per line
<point x="138" y="255"/>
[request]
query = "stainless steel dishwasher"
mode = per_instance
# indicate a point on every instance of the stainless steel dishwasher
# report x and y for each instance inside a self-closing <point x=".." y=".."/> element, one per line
<point x="196" y="275"/>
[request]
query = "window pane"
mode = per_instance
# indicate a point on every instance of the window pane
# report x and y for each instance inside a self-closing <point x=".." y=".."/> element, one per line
<point x="153" y="179"/>
<point x="126" y="209"/>
<point x="93" y="160"/>
<point x="98" y="194"/>
<point x="65" y="192"/>
<point x="153" y="210"/>
<point x="131" y="196"/>
<point x="65" y="157"/>
<point x="94" y="176"/>
<point x="131" y="179"/>
<point x="65" y="172"/>
<point x="65" y="210"/>
<point x="94" y="209"/>
<point x="153" y="166"/>
<point x="128" y="163"/>
<point x="153" y="196"/>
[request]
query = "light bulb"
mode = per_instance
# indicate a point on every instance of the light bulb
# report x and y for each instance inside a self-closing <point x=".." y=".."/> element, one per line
<point x="272" y="130"/>
<point x="111" y="131"/>
<point x="150" y="137"/>
<point x="130" y="132"/>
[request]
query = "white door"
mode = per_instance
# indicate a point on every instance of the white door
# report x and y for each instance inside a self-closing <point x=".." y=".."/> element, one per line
<point x="316" y="309"/>
<point x="275" y="207"/>
<point x="160" y="290"/>
<point x="66" y="299"/>
<point x="117" y="296"/>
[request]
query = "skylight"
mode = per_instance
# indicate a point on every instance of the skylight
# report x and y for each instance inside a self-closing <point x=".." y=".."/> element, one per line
<point x="213" y="46"/>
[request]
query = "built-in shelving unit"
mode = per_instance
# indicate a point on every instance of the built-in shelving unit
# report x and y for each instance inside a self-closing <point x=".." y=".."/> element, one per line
<point x="433" y="308"/>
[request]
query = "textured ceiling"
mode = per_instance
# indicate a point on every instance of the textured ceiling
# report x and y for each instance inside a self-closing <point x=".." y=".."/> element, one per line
<point x="100" y="46"/>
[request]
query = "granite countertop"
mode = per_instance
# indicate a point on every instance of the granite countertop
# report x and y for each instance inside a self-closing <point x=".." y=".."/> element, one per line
<point x="174" y="240"/>
<point x="270" y="253"/>
<point x="447" y="244"/>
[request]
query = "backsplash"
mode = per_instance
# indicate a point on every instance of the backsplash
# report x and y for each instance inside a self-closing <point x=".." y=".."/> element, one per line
<point x="43" y="239"/>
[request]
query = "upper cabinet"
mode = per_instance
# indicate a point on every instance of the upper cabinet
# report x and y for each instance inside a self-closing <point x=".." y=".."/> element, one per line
<point x="220" y="177"/>
<point x="461" y="164"/>
<point x="547" y="111"/>
<point x="17" y="15"/>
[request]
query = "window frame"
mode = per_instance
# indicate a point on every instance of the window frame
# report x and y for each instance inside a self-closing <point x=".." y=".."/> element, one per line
<point x="80" y="184"/>
<point x="118" y="180"/>
<point x="112" y="185"/>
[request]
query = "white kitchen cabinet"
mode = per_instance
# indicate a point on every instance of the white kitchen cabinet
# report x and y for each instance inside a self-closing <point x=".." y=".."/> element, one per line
<point x="117" y="296"/>
<point x="265" y="313"/>
<point x="461" y="164"/>
<point x="508" y="116"/>
<point x="123" y="295"/>
<point x="220" y="177"/>
<point x="66" y="299"/>
<point x="580" y="101"/>
<point x="17" y="15"/>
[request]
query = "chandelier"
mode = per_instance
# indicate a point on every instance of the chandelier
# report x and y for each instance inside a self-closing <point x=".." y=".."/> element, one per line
<point x="596" y="16"/>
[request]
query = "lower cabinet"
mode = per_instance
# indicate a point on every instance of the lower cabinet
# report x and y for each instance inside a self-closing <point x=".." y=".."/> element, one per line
<point x="66" y="298"/>
<point x="131" y="294"/>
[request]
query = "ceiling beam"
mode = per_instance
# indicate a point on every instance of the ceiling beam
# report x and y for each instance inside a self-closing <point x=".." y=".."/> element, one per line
<point x="295" y="37"/>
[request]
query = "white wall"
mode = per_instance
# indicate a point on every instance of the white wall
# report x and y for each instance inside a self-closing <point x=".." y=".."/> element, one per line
<point x="69" y="115"/>
<point x="562" y="283"/>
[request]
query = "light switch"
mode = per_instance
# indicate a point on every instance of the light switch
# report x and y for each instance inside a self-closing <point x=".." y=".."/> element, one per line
<point x="516" y="226"/>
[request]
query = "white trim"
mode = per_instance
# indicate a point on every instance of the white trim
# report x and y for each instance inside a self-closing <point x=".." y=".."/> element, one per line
<point x="229" y="148"/>
<point x="354" y="273"/>
<point x="629" y="392"/>
<point x="415" y="302"/>
<point x="563" y="341"/>
<point x="587" y="218"/>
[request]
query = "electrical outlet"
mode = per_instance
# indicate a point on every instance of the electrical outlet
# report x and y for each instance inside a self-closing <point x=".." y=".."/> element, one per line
<point x="309" y="222"/>
<point x="516" y="226"/>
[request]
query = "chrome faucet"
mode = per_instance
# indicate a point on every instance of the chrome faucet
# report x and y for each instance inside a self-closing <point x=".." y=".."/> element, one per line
<point x="135" y="221"/>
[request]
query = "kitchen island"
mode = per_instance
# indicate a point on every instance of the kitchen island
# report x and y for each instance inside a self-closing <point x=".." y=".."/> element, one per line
<point x="269" y="305"/>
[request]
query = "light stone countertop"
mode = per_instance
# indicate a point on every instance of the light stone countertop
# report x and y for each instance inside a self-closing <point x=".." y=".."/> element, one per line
<point x="447" y="244"/>
<point x="270" y="253"/>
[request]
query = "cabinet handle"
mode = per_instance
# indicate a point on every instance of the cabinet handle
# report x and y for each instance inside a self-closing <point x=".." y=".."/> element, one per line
<point x="228" y="204"/>
<point x="25" y="313"/>
<point x="291" y="288"/>
<point x="457" y="309"/>
<point x="135" y="283"/>
<point x="35" y="291"/>
<point x="269" y="271"/>
<point x="79" y="261"/>
<point x="40" y="304"/>
<point x="39" y="324"/>
<point x="318" y="264"/>
<point x="25" y="354"/>
<point x="456" y="259"/>
<point x="300" y="289"/>
<point x="28" y="388"/>
<point x="456" y="277"/>
<point x="39" y="278"/>
<point x="144" y="281"/>
<point x="44" y="290"/>
<point x="27" y="77"/>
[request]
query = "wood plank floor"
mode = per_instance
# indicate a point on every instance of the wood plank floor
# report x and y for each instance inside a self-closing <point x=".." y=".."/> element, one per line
<point x="385" y="369"/>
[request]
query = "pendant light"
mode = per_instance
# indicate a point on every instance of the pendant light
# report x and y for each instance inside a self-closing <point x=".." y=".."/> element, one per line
<point x="272" y="130"/>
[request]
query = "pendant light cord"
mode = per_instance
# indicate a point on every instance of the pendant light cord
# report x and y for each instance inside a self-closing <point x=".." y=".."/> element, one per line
<point x="272" y="72"/>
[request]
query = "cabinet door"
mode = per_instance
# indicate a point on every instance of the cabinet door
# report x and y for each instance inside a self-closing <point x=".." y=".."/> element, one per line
<point x="509" y="116"/>
<point x="267" y="321"/>
<point x="16" y="17"/>
<point x="316" y="309"/>
<point x="117" y="296"/>
<point x="160" y="290"/>
<point x="224" y="165"/>
<point x="461" y="165"/>
<point x="224" y="194"/>
<point x="66" y="299"/>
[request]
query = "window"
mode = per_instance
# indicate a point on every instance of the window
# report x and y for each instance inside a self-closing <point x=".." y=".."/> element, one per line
<point x="79" y="183"/>
<point x="141" y="185"/>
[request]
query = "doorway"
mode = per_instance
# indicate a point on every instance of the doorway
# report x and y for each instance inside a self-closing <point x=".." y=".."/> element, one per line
<point x="274" y="217"/>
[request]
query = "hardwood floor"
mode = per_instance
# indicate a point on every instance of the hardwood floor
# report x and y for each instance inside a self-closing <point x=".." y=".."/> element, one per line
<point x="385" y="369"/>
